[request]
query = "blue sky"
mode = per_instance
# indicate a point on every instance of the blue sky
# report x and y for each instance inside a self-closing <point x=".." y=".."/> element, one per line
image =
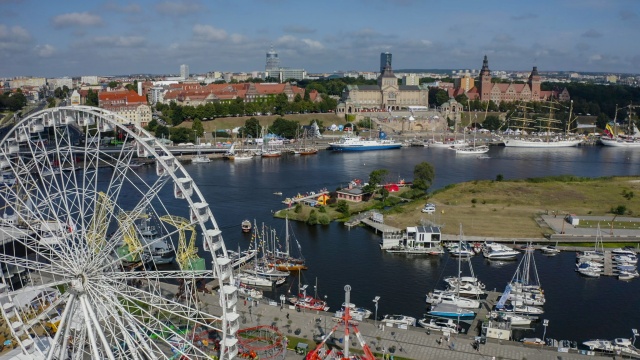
<point x="73" y="38"/>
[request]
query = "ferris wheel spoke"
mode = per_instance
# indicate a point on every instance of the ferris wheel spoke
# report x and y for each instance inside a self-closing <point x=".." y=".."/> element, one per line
<point x="62" y="328"/>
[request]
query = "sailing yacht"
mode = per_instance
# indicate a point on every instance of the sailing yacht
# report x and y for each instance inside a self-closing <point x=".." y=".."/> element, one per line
<point x="199" y="158"/>
<point x="282" y="260"/>
<point x="474" y="149"/>
<point x="615" y="139"/>
<point x="525" y="284"/>
<point x="302" y="300"/>
<point x="547" y="130"/>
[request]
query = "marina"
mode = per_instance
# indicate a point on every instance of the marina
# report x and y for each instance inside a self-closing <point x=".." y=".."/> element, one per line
<point x="326" y="246"/>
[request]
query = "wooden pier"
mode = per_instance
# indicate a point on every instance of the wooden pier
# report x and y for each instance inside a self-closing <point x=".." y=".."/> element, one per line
<point x="485" y="309"/>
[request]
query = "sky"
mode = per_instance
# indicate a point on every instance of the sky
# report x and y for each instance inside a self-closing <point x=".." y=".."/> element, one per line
<point x="73" y="38"/>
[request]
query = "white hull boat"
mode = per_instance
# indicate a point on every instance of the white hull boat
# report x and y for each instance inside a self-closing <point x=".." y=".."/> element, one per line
<point x="445" y="297"/>
<point x="599" y="344"/>
<point x="399" y="320"/>
<point x="444" y="326"/>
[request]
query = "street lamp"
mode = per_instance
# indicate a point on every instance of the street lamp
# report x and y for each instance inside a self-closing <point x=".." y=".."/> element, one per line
<point x="545" y="323"/>
<point x="325" y="315"/>
<point x="282" y="297"/>
<point x="635" y="334"/>
<point x="375" y="300"/>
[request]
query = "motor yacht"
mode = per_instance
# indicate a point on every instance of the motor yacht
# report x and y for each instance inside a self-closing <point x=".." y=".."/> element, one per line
<point x="391" y="320"/>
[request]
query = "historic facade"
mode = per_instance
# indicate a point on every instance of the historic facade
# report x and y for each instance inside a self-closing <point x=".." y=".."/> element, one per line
<point x="127" y="104"/>
<point x="485" y="90"/>
<point x="386" y="95"/>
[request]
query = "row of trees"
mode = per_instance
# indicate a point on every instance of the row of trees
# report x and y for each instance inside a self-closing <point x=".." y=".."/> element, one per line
<point x="13" y="101"/>
<point x="175" y="114"/>
<point x="288" y="129"/>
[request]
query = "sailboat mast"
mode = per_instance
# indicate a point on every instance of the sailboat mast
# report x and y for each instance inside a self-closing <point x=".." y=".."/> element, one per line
<point x="286" y="236"/>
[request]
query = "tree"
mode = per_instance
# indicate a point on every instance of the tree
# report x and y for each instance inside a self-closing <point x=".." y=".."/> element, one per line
<point x="462" y="99"/>
<point x="376" y="178"/>
<point x="602" y="120"/>
<point x="423" y="175"/>
<point x="281" y="103"/>
<point x="197" y="127"/>
<point x="284" y="128"/>
<point x="491" y="122"/>
<point x="439" y="97"/>
<point x="313" y="218"/>
<point x="113" y="84"/>
<point x="51" y="102"/>
<point x="251" y="128"/>
<point x="343" y="207"/>
<point x="180" y="135"/>
<point x="92" y="98"/>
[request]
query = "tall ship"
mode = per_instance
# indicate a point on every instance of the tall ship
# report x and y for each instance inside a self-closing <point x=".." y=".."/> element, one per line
<point x="351" y="142"/>
<point x="546" y="133"/>
<point x="613" y="136"/>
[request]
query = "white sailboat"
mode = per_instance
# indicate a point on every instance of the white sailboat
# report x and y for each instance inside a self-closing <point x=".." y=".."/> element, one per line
<point x="525" y="284"/>
<point x="199" y="158"/>
<point x="549" y="133"/>
<point x="615" y="139"/>
<point x="474" y="149"/>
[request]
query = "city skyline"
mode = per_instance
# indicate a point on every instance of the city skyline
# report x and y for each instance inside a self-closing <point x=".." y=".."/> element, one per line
<point x="74" y="38"/>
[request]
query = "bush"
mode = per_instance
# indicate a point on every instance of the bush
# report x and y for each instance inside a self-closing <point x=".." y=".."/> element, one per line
<point x="324" y="219"/>
<point x="499" y="177"/>
<point x="313" y="218"/>
<point x="343" y="208"/>
<point x="322" y="210"/>
<point x="412" y="194"/>
<point x="298" y="208"/>
<point x="619" y="210"/>
<point x="474" y="200"/>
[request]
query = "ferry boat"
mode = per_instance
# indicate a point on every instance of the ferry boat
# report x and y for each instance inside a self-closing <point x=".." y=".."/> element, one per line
<point x="355" y="143"/>
<point x="419" y="240"/>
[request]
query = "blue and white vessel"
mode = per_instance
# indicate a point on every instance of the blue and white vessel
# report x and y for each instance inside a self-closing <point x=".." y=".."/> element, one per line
<point x="351" y="142"/>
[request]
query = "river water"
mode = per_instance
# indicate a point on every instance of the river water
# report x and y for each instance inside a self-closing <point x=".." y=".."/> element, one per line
<point x="577" y="308"/>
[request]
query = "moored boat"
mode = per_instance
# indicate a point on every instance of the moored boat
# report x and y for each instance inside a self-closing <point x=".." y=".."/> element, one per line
<point x="355" y="143"/>
<point x="399" y="320"/>
<point x="438" y="325"/>
<point x="246" y="226"/>
<point x="451" y="311"/>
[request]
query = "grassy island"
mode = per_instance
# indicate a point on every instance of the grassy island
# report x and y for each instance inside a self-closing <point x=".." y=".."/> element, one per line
<point x="507" y="208"/>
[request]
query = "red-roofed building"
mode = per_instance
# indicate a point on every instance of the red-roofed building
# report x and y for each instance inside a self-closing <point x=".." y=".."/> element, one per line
<point x="128" y="104"/>
<point x="196" y="94"/>
<point x="498" y="92"/>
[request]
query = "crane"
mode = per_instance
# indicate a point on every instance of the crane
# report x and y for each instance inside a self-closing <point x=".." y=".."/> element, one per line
<point x="187" y="253"/>
<point x="96" y="234"/>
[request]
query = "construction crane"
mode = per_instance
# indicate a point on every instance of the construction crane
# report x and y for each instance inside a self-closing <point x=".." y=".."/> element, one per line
<point x="346" y="319"/>
<point x="187" y="253"/>
<point x="96" y="234"/>
<point x="132" y="249"/>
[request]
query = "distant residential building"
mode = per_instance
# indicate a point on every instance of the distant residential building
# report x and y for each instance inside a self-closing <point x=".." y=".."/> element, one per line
<point x="127" y="104"/>
<point x="410" y="79"/>
<point x="386" y="95"/>
<point x="184" y="71"/>
<point x="89" y="80"/>
<point x="156" y="94"/>
<point x="464" y="82"/>
<point x="18" y="83"/>
<point x="612" y="79"/>
<point x="60" y="83"/>
<point x="196" y="94"/>
<point x="385" y="60"/>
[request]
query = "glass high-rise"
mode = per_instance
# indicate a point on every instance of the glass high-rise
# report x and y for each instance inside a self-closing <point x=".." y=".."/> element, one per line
<point x="385" y="59"/>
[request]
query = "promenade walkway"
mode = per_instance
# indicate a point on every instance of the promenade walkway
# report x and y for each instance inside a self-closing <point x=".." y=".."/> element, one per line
<point x="412" y="343"/>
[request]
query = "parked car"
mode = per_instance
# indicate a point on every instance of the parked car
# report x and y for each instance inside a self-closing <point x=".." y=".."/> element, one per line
<point x="429" y="209"/>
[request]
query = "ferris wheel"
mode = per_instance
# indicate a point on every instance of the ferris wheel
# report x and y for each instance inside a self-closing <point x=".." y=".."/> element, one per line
<point x="99" y="256"/>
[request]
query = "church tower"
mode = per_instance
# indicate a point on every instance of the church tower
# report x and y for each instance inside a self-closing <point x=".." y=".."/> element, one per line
<point x="534" y="84"/>
<point x="388" y="84"/>
<point x="485" y="81"/>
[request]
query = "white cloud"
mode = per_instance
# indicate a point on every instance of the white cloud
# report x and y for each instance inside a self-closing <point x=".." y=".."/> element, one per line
<point x="237" y="38"/>
<point x="45" y="50"/>
<point x="76" y="19"/>
<point x="13" y="39"/>
<point x="119" y="41"/>
<point x="595" y="58"/>
<point x="208" y="33"/>
<point x="426" y="43"/>
<point x="313" y="44"/>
